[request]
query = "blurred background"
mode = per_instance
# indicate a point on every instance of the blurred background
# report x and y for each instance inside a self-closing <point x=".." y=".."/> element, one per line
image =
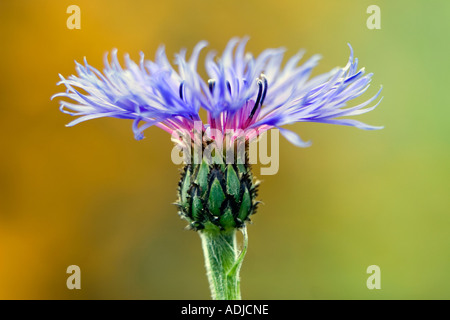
<point x="93" y="196"/>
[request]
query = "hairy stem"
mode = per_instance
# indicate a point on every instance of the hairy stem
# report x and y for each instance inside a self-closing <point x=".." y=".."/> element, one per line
<point x="223" y="262"/>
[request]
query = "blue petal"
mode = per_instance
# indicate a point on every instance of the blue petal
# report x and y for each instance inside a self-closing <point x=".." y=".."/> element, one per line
<point x="294" y="138"/>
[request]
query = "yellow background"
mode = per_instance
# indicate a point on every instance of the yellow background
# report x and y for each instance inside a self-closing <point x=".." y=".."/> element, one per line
<point x="93" y="196"/>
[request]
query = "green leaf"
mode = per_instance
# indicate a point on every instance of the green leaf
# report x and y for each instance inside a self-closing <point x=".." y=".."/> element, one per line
<point x="216" y="197"/>
<point x="233" y="185"/>
<point x="202" y="177"/>
<point x="242" y="169"/>
<point x="226" y="219"/>
<point x="185" y="186"/>
<point x="246" y="204"/>
<point x="197" y="208"/>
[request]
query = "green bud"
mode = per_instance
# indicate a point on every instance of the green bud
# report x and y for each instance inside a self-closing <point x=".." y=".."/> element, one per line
<point x="214" y="195"/>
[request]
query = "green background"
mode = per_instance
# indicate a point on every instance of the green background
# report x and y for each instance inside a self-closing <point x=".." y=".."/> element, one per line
<point x="93" y="196"/>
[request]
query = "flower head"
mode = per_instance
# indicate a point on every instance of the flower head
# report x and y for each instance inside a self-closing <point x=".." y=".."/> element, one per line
<point x="242" y="93"/>
<point x="243" y="96"/>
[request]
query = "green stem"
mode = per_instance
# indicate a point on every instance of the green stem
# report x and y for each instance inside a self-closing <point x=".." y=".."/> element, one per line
<point x="223" y="262"/>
